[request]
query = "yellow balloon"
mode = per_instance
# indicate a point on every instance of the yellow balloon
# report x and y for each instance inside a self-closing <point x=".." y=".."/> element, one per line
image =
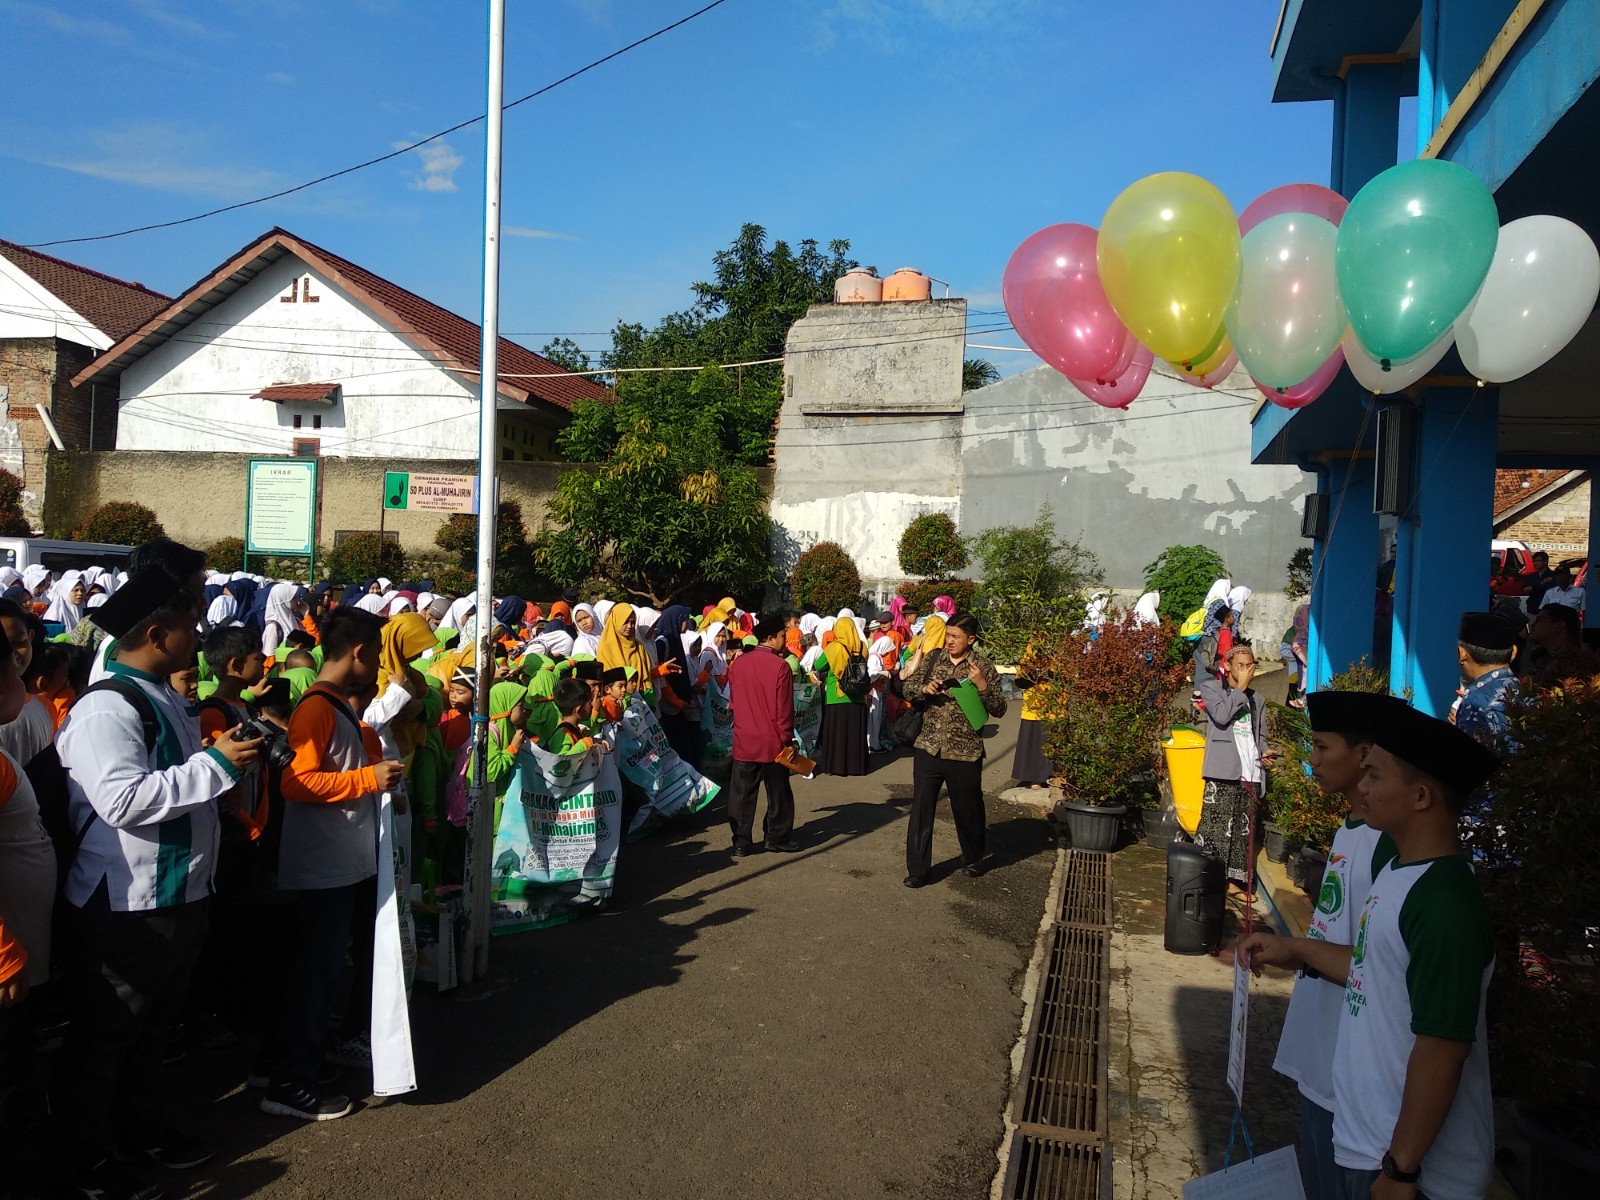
<point x="1168" y="254"/>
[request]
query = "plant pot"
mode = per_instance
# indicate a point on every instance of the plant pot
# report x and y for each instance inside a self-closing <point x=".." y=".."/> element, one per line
<point x="1276" y="845"/>
<point x="1094" y="826"/>
<point x="1312" y="864"/>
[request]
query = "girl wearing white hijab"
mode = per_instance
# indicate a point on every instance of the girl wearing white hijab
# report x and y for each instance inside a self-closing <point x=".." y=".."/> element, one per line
<point x="601" y="609"/>
<point x="1237" y="599"/>
<point x="372" y="603"/>
<point x="1219" y="591"/>
<point x="36" y="579"/>
<point x="222" y="612"/>
<point x="587" y="641"/>
<point x="281" y="619"/>
<point x="458" y="612"/>
<point x="711" y="653"/>
<point x="66" y="600"/>
<point x="1144" y="612"/>
<point x="397" y="605"/>
<point x="9" y="576"/>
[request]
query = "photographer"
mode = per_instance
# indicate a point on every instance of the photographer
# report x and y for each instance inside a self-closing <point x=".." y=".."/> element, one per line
<point x="142" y="799"/>
<point x="949" y="751"/>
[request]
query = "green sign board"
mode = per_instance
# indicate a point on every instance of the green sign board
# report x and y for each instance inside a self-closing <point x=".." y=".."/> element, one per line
<point x="281" y="507"/>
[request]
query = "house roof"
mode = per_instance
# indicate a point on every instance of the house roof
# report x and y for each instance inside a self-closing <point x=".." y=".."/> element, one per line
<point x="298" y="393"/>
<point x="113" y="306"/>
<point x="450" y="340"/>
<point x="1511" y="488"/>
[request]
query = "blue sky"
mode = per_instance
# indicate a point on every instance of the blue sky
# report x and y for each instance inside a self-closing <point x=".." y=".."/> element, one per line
<point x="930" y="133"/>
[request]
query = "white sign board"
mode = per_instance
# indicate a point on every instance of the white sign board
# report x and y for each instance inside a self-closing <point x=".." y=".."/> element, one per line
<point x="1271" y="1176"/>
<point x="1236" y="1031"/>
<point x="281" y="506"/>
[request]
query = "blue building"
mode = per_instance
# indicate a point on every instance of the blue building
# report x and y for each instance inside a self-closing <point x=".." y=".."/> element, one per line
<point x="1504" y="88"/>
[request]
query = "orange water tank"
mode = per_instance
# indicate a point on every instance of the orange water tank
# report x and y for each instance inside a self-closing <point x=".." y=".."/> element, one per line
<point x="908" y="283"/>
<point x="858" y="285"/>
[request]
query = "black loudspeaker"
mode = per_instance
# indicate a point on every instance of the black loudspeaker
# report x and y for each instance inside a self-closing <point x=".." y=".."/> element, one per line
<point x="1197" y="892"/>
<point x="1394" y="479"/>
<point x="1314" y="517"/>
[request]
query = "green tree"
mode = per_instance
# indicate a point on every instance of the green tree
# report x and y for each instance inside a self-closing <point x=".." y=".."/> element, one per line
<point x="564" y="353"/>
<point x="120" y="522"/>
<point x="825" y="578"/>
<point x="930" y="546"/>
<point x="1299" y="572"/>
<point x="515" y="556"/>
<point x="362" y="556"/>
<point x="1183" y="575"/>
<point x="977" y="373"/>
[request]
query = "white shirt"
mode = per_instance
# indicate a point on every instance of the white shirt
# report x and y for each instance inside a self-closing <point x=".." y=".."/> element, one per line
<point x="1572" y="597"/>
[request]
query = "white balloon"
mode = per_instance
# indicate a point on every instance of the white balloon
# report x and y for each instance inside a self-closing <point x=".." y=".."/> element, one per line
<point x="1540" y="290"/>
<point x="1370" y="374"/>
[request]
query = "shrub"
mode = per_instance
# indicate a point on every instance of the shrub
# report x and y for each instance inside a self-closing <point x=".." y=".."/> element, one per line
<point x="120" y="522"/>
<point x="920" y="593"/>
<point x="11" y="501"/>
<point x="1033" y="588"/>
<point x="454" y="580"/>
<point x="1109" y="697"/>
<point x="825" y="578"/>
<point x="930" y="545"/>
<point x="14" y="524"/>
<point x="361" y="556"/>
<point x="1299" y="573"/>
<point x="1183" y="575"/>
<point x="227" y="554"/>
<point x="459" y="536"/>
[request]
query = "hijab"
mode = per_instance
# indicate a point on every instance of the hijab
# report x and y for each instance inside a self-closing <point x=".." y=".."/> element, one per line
<point x="897" y="616"/>
<point x="1219" y="591"/>
<point x="222" y="611"/>
<point x="810" y="624"/>
<point x="1145" y="612"/>
<point x="280" y="610"/>
<point x="585" y="643"/>
<point x="675" y="619"/>
<point x="1237" y="599"/>
<point x="300" y="679"/>
<point x="35" y="577"/>
<point x="458" y="612"/>
<point x="61" y="608"/>
<point x="617" y="650"/>
<point x="542" y="715"/>
<point x="932" y="634"/>
<point x="397" y="606"/>
<point x="562" y="611"/>
<point x="555" y="641"/>
<point x="509" y="612"/>
<point x="372" y="603"/>
<point x="352" y="595"/>
<point x="9" y="577"/>
<point x="846" y="641"/>
<point x="944" y="606"/>
<point x="404" y="638"/>
<point x="602" y="609"/>
<point x="708" y="644"/>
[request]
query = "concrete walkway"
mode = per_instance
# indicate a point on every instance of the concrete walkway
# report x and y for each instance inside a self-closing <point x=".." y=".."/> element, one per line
<point x="783" y="1026"/>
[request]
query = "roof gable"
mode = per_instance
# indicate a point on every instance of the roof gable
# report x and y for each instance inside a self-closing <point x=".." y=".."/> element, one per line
<point x="450" y="340"/>
<point x="113" y="306"/>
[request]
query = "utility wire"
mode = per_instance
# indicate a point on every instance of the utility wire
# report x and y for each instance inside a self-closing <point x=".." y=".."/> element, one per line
<point x="372" y="162"/>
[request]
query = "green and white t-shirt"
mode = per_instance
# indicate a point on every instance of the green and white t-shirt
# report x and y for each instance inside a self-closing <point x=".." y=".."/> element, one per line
<point x="1420" y="965"/>
<point x="1305" y="1049"/>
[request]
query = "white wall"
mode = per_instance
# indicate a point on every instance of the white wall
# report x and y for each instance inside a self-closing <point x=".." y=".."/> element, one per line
<point x="29" y="310"/>
<point x="193" y="392"/>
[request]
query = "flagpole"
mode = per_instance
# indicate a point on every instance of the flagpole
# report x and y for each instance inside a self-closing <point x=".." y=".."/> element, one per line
<point x="475" y="957"/>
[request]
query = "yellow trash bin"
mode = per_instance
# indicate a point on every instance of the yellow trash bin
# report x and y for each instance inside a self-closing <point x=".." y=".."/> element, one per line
<point x="1185" y="751"/>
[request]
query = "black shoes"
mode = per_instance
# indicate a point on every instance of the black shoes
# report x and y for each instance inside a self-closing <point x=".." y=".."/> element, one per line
<point x="915" y="881"/>
<point x="741" y="849"/>
<point x="785" y="847"/>
<point x="175" y="1151"/>
<point x="972" y="870"/>
<point x="303" y="1104"/>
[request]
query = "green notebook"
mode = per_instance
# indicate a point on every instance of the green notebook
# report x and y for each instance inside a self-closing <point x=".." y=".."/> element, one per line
<point x="967" y="695"/>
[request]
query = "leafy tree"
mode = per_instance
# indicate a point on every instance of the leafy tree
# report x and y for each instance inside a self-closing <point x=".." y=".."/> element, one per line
<point x="1183" y="575"/>
<point x="363" y="556"/>
<point x="977" y="373"/>
<point x="665" y="512"/>
<point x="1034" y="585"/>
<point x="930" y="546"/>
<point x="12" y="522"/>
<point x="564" y="353"/>
<point x="1299" y="571"/>
<point x="825" y="578"/>
<point x="120" y="522"/>
<point x="227" y="554"/>
<point x="515" y="567"/>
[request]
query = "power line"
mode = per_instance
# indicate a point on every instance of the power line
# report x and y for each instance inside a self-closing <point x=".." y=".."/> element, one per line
<point x="372" y="162"/>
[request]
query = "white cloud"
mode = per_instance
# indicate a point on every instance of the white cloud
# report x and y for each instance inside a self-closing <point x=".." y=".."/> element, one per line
<point x="167" y="157"/>
<point x="522" y="231"/>
<point x="157" y="12"/>
<point x="439" y="165"/>
<point x="70" y="24"/>
<point x="282" y="77"/>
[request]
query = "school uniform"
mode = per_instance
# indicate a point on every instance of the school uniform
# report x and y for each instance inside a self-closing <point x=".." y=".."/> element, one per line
<point x="137" y="892"/>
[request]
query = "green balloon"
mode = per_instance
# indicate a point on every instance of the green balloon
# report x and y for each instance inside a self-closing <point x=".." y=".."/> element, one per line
<point x="1413" y="249"/>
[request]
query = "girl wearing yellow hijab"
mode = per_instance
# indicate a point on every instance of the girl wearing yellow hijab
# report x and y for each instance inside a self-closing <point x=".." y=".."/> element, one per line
<point x="932" y="635"/>
<point x="842" y="744"/>
<point x="618" y="645"/>
<point x="397" y="713"/>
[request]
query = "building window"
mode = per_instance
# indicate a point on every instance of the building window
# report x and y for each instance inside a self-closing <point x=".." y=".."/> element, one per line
<point x="508" y="454"/>
<point x="316" y="421"/>
<point x="297" y="420"/>
<point x="307" y="447"/>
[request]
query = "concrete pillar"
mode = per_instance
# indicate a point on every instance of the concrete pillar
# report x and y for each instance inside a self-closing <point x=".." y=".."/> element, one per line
<point x="1345" y="572"/>
<point x="1443" y="542"/>
<point x="1591" y="610"/>
<point x="1366" y="122"/>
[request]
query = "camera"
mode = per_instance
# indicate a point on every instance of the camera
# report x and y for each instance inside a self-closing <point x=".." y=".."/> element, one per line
<point x="948" y="685"/>
<point x="276" y="746"/>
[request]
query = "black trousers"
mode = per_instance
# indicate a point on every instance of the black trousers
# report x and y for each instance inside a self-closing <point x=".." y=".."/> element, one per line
<point x="965" y="783"/>
<point x="21" y="1104"/>
<point x="327" y="920"/>
<point x="127" y="974"/>
<point x="744" y="787"/>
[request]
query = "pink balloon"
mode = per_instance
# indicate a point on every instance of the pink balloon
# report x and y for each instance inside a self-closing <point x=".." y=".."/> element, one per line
<point x="1211" y="379"/>
<point x="1294" y="198"/>
<point x="1053" y="296"/>
<point x="1303" y="393"/>
<point x="1125" y="388"/>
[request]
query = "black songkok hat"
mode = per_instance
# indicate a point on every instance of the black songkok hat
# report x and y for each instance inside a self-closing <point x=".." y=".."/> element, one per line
<point x="1437" y="749"/>
<point x="145" y="593"/>
<point x="1353" y="714"/>
<point x="1487" y="630"/>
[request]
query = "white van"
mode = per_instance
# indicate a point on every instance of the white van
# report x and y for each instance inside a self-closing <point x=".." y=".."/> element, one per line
<point x="24" y="552"/>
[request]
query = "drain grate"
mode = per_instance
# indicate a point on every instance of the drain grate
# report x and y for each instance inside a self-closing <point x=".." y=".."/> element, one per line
<point x="1062" y="1087"/>
<point x="1086" y="889"/>
<point x="1046" y="1168"/>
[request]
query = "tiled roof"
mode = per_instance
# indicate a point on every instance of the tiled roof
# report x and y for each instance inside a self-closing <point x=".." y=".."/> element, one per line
<point x="445" y="338"/>
<point x="1513" y="487"/>
<point x="302" y="393"/>
<point x="113" y="306"/>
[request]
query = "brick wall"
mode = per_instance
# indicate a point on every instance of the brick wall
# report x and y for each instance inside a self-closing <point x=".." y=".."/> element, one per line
<point x="1560" y="524"/>
<point x="36" y="371"/>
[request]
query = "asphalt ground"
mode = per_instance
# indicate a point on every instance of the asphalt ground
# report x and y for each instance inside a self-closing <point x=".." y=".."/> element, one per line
<point x="786" y="1025"/>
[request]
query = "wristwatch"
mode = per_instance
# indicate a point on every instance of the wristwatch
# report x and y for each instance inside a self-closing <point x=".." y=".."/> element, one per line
<point x="1392" y="1171"/>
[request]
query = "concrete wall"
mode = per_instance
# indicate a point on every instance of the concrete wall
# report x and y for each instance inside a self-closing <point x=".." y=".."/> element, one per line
<point x="200" y="498"/>
<point x="194" y="391"/>
<point x="861" y="449"/>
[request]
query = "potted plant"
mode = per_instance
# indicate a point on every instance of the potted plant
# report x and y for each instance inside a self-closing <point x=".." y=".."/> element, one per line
<point x="1535" y="859"/>
<point x="1110" y="698"/>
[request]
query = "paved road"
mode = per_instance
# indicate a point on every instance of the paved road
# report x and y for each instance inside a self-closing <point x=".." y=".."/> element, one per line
<point x="786" y="1025"/>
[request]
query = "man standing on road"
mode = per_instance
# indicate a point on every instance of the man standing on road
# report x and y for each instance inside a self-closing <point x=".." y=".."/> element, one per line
<point x="761" y="694"/>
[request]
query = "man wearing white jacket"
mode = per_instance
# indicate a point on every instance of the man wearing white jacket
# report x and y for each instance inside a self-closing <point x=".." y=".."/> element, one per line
<point x="142" y="795"/>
